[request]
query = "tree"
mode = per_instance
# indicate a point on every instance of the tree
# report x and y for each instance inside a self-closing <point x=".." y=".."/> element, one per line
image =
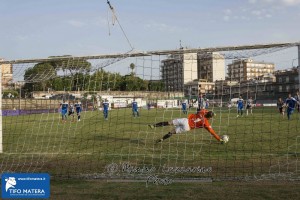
<point x="40" y="76"/>
<point x="75" y="66"/>
<point x="44" y="75"/>
<point x="132" y="66"/>
<point x="133" y="83"/>
<point x="156" y="85"/>
<point x="102" y="80"/>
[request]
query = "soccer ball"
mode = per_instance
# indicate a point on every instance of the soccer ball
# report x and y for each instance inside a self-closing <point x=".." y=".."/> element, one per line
<point x="225" y="138"/>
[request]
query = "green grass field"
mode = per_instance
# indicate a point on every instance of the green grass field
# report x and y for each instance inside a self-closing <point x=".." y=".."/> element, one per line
<point x="262" y="146"/>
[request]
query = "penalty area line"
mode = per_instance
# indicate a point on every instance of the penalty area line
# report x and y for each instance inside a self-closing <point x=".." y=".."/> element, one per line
<point x="47" y="153"/>
<point x="204" y="180"/>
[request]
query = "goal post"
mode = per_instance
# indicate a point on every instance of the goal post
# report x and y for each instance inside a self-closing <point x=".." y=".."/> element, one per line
<point x="1" y="133"/>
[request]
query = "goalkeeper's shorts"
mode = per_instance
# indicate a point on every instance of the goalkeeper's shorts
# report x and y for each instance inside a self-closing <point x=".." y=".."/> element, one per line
<point x="181" y="125"/>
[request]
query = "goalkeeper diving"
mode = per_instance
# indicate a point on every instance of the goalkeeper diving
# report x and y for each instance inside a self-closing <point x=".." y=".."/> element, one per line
<point x="193" y="121"/>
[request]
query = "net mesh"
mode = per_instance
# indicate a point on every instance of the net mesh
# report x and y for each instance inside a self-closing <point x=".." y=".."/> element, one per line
<point x="262" y="145"/>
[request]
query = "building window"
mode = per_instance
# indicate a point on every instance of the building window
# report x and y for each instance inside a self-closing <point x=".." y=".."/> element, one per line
<point x="280" y="79"/>
<point x="280" y="88"/>
<point x="287" y="79"/>
<point x="287" y="88"/>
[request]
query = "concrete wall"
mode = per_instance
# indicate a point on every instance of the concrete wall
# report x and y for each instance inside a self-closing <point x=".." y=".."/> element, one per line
<point x="29" y="104"/>
<point x="34" y="104"/>
<point x="142" y="94"/>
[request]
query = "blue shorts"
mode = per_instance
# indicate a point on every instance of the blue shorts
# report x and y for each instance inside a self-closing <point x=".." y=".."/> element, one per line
<point x="64" y="112"/>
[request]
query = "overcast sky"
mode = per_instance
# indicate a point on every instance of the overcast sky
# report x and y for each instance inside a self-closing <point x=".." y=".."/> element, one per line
<point x="42" y="28"/>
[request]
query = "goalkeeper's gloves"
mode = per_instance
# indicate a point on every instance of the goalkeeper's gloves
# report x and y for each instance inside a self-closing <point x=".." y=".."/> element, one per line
<point x="159" y="140"/>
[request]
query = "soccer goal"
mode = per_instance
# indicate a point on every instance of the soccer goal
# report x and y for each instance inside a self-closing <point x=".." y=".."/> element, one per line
<point x="113" y="116"/>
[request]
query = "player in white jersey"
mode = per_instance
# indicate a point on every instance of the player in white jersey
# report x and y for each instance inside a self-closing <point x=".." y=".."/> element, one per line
<point x="249" y="105"/>
<point x="71" y="110"/>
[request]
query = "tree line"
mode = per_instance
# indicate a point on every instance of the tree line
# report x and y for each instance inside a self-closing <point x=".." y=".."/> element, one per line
<point x="76" y="75"/>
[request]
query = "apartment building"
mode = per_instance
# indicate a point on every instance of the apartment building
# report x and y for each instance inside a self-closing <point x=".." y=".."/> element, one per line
<point x="7" y="74"/>
<point x="211" y="66"/>
<point x="266" y="87"/>
<point x="243" y="70"/>
<point x="194" y="88"/>
<point x="177" y="70"/>
<point x="287" y="81"/>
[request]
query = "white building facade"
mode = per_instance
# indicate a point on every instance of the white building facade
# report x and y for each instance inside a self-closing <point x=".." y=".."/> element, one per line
<point x="243" y="70"/>
<point x="178" y="70"/>
<point x="211" y="66"/>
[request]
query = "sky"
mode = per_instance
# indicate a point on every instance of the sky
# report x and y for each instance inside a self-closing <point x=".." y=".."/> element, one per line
<point x="42" y="28"/>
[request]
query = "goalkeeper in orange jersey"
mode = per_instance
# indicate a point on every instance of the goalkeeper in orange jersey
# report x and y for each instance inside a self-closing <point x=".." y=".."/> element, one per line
<point x="199" y="120"/>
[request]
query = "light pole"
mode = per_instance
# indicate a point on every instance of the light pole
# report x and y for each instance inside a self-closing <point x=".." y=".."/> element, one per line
<point x="20" y="97"/>
<point x="190" y="93"/>
<point x="20" y="85"/>
<point x="299" y="77"/>
<point x="33" y="91"/>
<point x="230" y="92"/>
<point x="255" y="89"/>
<point x="247" y="90"/>
<point x="222" y="93"/>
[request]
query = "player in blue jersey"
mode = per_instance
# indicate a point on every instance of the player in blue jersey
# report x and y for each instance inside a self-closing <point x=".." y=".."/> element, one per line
<point x="135" y="109"/>
<point x="148" y="106"/>
<point x="290" y="103"/>
<point x="78" y="109"/>
<point x="64" y="110"/>
<point x="71" y="110"/>
<point x="240" y="106"/>
<point x="105" y="106"/>
<point x="184" y="107"/>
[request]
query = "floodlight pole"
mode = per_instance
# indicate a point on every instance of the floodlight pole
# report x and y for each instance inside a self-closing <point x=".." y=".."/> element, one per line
<point x="20" y="96"/>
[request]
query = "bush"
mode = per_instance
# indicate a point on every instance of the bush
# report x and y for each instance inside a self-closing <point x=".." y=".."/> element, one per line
<point x="13" y="94"/>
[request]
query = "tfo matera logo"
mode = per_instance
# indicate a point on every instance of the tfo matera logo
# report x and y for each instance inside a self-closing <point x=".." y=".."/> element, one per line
<point x="25" y="185"/>
<point x="10" y="183"/>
